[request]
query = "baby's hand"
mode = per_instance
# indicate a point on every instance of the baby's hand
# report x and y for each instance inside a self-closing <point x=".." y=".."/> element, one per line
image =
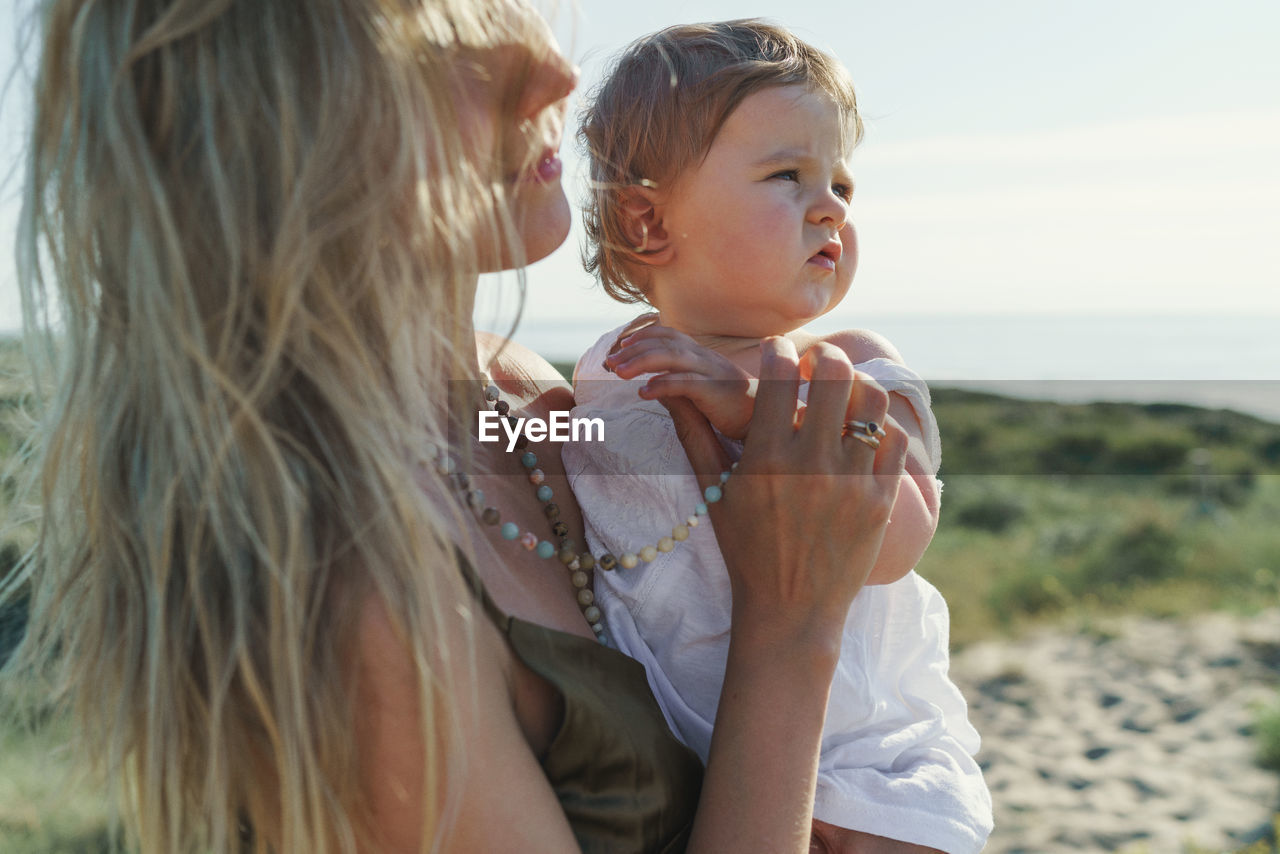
<point x="721" y="390"/>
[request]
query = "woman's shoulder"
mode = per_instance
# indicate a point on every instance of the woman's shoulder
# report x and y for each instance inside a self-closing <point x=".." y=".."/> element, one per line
<point x="522" y="373"/>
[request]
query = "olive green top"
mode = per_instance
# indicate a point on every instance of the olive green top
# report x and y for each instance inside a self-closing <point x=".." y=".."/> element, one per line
<point x="625" y="783"/>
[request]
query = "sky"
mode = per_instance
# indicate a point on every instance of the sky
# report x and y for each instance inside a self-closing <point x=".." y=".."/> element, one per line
<point x="1099" y="157"/>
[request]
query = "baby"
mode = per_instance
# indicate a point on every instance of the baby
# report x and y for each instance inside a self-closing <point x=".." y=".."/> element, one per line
<point x="719" y="157"/>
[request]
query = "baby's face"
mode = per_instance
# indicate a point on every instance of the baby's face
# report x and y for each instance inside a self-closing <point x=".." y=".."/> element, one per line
<point x="760" y="229"/>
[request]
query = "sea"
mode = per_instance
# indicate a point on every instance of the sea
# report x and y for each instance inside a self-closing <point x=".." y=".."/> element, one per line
<point x="1230" y="362"/>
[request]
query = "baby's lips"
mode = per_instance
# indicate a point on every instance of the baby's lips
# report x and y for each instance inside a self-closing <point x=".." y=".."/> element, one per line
<point x="833" y="249"/>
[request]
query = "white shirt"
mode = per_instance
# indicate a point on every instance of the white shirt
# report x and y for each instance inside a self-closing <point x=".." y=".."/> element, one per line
<point x="897" y="748"/>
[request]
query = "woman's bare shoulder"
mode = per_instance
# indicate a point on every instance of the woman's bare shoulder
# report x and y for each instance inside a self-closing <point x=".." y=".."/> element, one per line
<point x="522" y="373"/>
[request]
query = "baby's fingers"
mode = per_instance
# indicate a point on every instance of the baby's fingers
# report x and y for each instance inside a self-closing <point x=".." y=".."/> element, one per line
<point x="681" y="384"/>
<point x="653" y="357"/>
<point x="644" y="321"/>
<point x="636" y="333"/>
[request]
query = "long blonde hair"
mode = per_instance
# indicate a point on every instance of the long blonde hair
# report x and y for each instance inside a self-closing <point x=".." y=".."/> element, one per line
<point x="249" y="231"/>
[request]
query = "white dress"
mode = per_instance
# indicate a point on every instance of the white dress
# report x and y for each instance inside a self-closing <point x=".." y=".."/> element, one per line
<point x="897" y="748"/>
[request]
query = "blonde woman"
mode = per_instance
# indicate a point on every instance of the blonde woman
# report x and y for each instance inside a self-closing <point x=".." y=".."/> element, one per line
<point x="281" y="616"/>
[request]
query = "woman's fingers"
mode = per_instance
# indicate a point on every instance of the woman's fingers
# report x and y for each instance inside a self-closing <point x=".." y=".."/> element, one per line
<point x="865" y="418"/>
<point x="802" y="546"/>
<point x="892" y="453"/>
<point x="831" y="387"/>
<point x="775" y="410"/>
<point x="868" y="401"/>
<point x="701" y="446"/>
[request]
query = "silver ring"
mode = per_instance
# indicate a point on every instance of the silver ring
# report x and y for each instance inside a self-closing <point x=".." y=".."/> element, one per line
<point x="871" y="441"/>
<point x="869" y="428"/>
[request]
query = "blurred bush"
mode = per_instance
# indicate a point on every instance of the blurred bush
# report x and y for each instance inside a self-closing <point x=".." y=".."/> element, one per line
<point x="1073" y="453"/>
<point x="1143" y="551"/>
<point x="1268" y="729"/>
<point x="992" y="512"/>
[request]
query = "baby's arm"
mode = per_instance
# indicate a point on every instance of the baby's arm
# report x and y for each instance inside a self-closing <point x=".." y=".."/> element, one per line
<point x="915" y="515"/>
<point x="725" y="393"/>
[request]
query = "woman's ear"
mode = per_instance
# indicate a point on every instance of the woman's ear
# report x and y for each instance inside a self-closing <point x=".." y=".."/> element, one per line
<point x="642" y="211"/>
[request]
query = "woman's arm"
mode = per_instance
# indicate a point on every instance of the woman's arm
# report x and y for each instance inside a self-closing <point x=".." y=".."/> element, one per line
<point x="798" y="547"/>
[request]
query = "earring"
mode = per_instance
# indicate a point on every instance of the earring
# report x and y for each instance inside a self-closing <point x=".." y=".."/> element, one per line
<point x="644" y="242"/>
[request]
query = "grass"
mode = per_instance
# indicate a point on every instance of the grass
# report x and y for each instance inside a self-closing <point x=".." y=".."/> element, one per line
<point x="43" y="808"/>
<point x="1268" y="728"/>
<point x="1052" y="514"/>
<point x="1018" y="550"/>
<point x="15" y="426"/>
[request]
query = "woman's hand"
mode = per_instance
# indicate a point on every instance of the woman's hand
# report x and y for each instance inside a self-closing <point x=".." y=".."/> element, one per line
<point x="800" y="527"/>
<point x="804" y="515"/>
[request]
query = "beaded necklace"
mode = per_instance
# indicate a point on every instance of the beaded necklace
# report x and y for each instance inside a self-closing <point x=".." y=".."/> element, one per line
<point x="577" y="563"/>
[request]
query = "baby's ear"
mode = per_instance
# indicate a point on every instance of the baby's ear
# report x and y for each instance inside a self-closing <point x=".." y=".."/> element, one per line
<point x="642" y="209"/>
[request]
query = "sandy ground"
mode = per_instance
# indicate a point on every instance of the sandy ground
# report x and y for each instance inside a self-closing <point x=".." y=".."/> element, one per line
<point x="1135" y="737"/>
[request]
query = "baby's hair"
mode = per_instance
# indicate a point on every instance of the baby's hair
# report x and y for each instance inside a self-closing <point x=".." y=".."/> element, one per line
<point x="659" y="109"/>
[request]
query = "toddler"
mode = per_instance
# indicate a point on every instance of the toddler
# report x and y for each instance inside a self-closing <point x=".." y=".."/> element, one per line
<point x="719" y="158"/>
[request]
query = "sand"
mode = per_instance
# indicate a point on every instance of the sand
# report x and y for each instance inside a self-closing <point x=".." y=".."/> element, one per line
<point x="1137" y="736"/>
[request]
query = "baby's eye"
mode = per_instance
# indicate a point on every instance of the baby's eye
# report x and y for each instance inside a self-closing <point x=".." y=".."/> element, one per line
<point x="844" y="191"/>
<point x="787" y="175"/>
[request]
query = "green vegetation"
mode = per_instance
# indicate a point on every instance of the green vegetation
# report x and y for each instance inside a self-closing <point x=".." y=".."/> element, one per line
<point x="43" y="809"/>
<point x="1064" y="512"/>
<point x="1269" y="736"/>
<point x="1051" y="513"/>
